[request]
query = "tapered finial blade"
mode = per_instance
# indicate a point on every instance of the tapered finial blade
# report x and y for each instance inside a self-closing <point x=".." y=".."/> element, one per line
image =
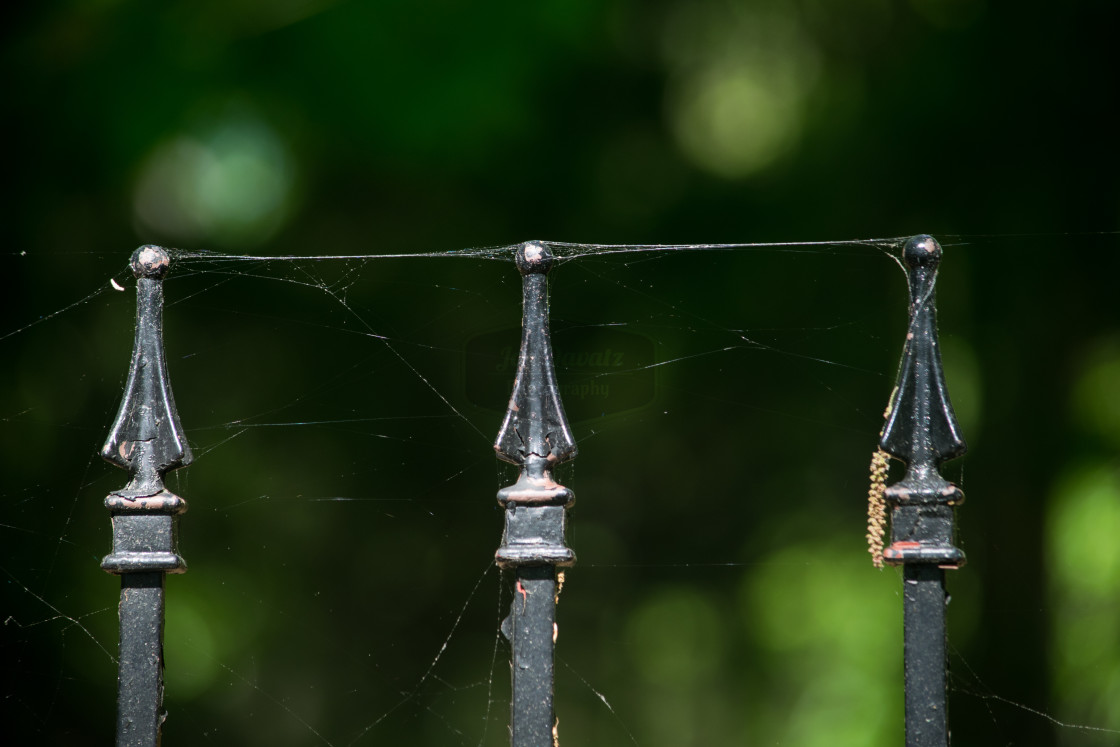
<point x="147" y="438"/>
<point x="921" y="428"/>
<point x="535" y="423"/>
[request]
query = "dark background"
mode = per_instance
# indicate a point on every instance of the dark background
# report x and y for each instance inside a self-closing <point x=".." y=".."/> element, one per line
<point x="342" y="516"/>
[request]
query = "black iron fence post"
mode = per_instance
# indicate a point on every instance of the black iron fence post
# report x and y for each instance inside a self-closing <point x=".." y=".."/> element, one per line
<point x="922" y="431"/>
<point x="148" y="441"/>
<point x="535" y="436"/>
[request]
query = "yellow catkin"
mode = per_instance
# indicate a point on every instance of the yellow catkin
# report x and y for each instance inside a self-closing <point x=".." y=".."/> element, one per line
<point x="877" y="507"/>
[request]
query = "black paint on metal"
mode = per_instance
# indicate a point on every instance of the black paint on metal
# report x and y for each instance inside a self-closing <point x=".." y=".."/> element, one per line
<point x="140" y="684"/>
<point x="922" y="431"/>
<point x="147" y="440"/>
<point x="529" y="628"/>
<point x="924" y="646"/>
<point x="535" y="436"/>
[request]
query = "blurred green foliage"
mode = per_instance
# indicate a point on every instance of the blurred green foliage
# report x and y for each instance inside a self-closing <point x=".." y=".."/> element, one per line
<point x="342" y="517"/>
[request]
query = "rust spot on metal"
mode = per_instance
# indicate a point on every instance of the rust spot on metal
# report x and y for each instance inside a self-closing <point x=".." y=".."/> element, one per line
<point x="150" y="261"/>
<point x="164" y="502"/>
<point x="535" y="496"/>
<point x="897" y="550"/>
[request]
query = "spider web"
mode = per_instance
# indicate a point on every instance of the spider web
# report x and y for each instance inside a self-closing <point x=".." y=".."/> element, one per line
<point x="342" y="526"/>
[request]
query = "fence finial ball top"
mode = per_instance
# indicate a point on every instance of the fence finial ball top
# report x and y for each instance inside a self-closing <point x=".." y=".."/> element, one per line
<point x="533" y="257"/>
<point x="150" y="261"/>
<point x="922" y="251"/>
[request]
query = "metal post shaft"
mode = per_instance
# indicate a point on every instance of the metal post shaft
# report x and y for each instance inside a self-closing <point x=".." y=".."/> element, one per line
<point x="147" y="440"/>
<point x="535" y="436"/>
<point x="923" y="432"/>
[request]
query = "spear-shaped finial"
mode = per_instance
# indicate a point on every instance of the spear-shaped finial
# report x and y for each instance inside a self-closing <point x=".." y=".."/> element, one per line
<point x="534" y="435"/>
<point x="535" y="425"/>
<point x="147" y="438"/>
<point x="921" y="428"/>
<point x="148" y="441"/>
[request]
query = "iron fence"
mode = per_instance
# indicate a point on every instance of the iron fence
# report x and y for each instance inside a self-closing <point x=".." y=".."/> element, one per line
<point x="921" y="430"/>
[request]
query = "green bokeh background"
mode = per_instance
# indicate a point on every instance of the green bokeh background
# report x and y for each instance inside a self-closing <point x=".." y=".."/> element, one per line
<point x="342" y="516"/>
